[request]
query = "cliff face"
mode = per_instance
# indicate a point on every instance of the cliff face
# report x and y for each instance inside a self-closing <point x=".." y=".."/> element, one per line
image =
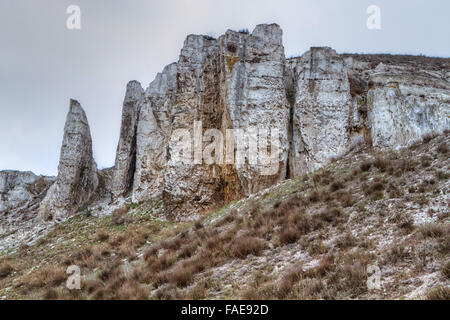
<point x="246" y="118"/>
<point x="317" y="106"/>
<point x="234" y="82"/>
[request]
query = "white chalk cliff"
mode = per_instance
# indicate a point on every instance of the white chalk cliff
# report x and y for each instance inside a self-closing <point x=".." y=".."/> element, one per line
<point x="323" y="104"/>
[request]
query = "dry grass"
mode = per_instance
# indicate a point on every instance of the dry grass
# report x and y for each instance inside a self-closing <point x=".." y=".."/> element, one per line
<point x="5" y="269"/>
<point x="317" y="214"/>
<point x="439" y="293"/>
<point x="246" y="245"/>
<point x="433" y="230"/>
<point x="102" y="235"/>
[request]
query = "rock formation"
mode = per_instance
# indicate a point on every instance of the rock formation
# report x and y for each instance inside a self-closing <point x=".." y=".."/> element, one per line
<point x="153" y="134"/>
<point x="321" y="109"/>
<point x="126" y="149"/>
<point x="234" y="102"/>
<point x="21" y="191"/>
<point x="234" y="82"/>
<point x="20" y="196"/>
<point x="322" y="105"/>
<point x="77" y="172"/>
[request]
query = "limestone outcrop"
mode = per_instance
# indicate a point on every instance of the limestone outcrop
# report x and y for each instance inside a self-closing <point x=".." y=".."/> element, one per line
<point x="77" y="171"/>
<point x="233" y="116"/>
<point x="233" y="82"/>
<point x="126" y="149"/>
<point x="21" y="191"/>
<point x="153" y="133"/>
<point x="321" y="105"/>
<point x="20" y="196"/>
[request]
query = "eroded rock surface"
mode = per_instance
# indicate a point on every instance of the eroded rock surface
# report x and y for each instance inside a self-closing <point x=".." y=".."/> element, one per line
<point x="77" y="172"/>
<point x="321" y="109"/>
<point x="153" y="134"/>
<point x="20" y="195"/>
<point x="233" y="82"/>
<point x="321" y="104"/>
<point x="126" y="150"/>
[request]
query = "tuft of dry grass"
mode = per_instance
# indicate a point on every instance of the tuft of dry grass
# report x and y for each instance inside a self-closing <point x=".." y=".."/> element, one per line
<point x="443" y="148"/>
<point x="366" y="165"/>
<point x="346" y="241"/>
<point x="5" y="269"/>
<point x="432" y="230"/>
<point x="119" y="216"/>
<point x="289" y="235"/>
<point x="102" y="235"/>
<point x="245" y="245"/>
<point x="439" y="293"/>
<point x="48" y="276"/>
<point x="446" y="270"/>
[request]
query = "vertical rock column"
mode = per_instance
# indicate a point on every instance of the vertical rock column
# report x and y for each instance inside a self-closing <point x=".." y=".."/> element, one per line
<point x="153" y="134"/>
<point x="126" y="150"/>
<point x="190" y="188"/>
<point x="255" y="98"/>
<point x="321" y="111"/>
<point x="77" y="172"/>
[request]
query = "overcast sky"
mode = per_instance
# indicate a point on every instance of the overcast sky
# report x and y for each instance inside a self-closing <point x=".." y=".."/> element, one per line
<point x="43" y="64"/>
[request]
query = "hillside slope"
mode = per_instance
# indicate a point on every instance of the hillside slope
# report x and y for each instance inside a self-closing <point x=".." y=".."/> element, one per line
<point x="312" y="237"/>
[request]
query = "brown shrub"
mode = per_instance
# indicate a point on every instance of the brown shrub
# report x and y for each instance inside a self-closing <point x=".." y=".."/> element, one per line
<point x="163" y="262"/>
<point x="314" y="197"/>
<point x="152" y="252"/>
<point x="132" y="291"/>
<point x="51" y="294"/>
<point x="126" y="250"/>
<point x="381" y="164"/>
<point x="102" y="235"/>
<point x="443" y="148"/>
<point x="188" y="250"/>
<point x="406" y="164"/>
<point x="47" y="276"/>
<point x="100" y="252"/>
<point x="446" y="270"/>
<point x="365" y="166"/>
<point x="347" y="199"/>
<point x="330" y="214"/>
<point x="375" y="187"/>
<point x="5" y="269"/>
<point x="167" y="293"/>
<point x="439" y="293"/>
<point x="117" y="240"/>
<point x="289" y="235"/>
<point x="245" y="245"/>
<point x="198" y="225"/>
<point x="346" y="241"/>
<point x="403" y="221"/>
<point x="290" y="278"/>
<point x="93" y="285"/>
<point x="441" y="175"/>
<point x="181" y="276"/>
<point x="396" y="254"/>
<point x="172" y="244"/>
<point x="119" y="217"/>
<point x="337" y="185"/>
<point x="432" y="230"/>
<point x="326" y="265"/>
